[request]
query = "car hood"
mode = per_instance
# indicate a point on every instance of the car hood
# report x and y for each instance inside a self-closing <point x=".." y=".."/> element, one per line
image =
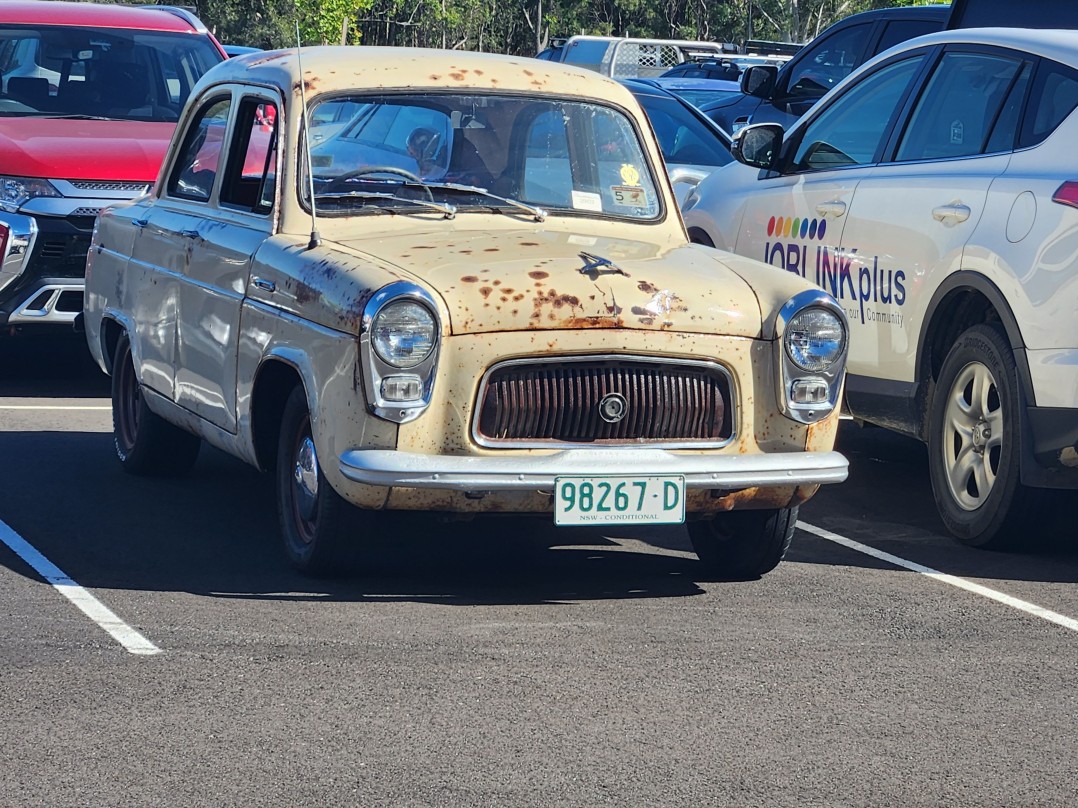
<point x="67" y="148"/>
<point x="537" y="280"/>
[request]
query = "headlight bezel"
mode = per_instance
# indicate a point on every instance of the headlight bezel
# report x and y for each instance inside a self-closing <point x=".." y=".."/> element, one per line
<point x="32" y="188"/>
<point x="792" y="374"/>
<point x="376" y="368"/>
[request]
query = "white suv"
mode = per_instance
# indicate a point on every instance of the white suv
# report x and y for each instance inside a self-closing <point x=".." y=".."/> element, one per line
<point x="934" y="193"/>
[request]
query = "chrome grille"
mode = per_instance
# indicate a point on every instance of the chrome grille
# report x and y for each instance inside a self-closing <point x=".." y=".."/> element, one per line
<point x="85" y="211"/>
<point x="551" y="401"/>
<point x="97" y="185"/>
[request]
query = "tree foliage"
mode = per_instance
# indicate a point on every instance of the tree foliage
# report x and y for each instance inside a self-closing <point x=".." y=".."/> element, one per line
<point x="518" y="26"/>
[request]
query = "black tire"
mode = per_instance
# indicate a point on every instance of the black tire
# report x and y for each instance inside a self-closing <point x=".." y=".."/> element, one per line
<point x="313" y="518"/>
<point x="743" y="545"/>
<point x="146" y="444"/>
<point x="974" y="447"/>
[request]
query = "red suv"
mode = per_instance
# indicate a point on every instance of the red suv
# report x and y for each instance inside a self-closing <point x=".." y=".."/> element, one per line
<point x="89" y="97"/>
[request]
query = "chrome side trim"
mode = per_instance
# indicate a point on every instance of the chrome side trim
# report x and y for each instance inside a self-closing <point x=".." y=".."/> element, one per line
<point x="388" y="468"/>
<point x="657" y="360"/>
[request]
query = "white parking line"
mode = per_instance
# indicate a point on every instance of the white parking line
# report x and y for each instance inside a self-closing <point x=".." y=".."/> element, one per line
<point x="53" y="407"/>
<point x="87" y="603"/>
<point x="953" y="580"/>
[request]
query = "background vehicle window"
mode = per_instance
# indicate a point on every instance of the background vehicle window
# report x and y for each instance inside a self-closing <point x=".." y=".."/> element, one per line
<point x="1005" y="132"/>
<point x="1054" y="97"/>
<point x="195" y="170"/>
<point x="252" y="163"/>
<point x="829" y="62"/>
<point x="900" y="30"/>
<point x="683" y="138"/>
<point x="955" y="112"/>
<point x="850" y="131"/>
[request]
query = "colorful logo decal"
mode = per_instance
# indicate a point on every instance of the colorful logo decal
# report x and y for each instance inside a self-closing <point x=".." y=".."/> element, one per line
<point x="629" y="174"/>
<point x="874" y="293"/>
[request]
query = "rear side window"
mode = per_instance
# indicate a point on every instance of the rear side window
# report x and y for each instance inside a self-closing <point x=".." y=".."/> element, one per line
<point x="955" y="113"/>
<point x="898" y="31"/>
<point x="1053" y="98"/>
<point x="252" y="165"/>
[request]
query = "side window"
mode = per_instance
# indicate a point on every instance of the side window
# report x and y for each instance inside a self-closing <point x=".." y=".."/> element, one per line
<point x="548" y="175"/>
<point x="251" y="175"/>
<point x="850" y="130"/>
<point x="196" y="167"/>
<point x="900" y="30"/>
<point x="829" y="62"/>
<point x="955" y="113"/>
<point x="1005" y="131"/>
<point x="1054" y="97"/>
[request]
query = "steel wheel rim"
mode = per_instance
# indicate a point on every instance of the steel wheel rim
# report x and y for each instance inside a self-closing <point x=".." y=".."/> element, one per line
<point x="128" y="416"/>
<point x="972" y="442"/>
<point x="304" y="482"/>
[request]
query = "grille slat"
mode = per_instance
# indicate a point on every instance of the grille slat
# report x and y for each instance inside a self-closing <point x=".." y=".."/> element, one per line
<point x="559" y="402"/>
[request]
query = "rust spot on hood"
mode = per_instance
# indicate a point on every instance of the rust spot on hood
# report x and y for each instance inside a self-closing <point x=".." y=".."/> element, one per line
<point x="529" y="244"/>
<point x="647" y="286"/>
<point x="470" y="279"/>
<point x="485" y="290"/>
<point x="538" y="275"/>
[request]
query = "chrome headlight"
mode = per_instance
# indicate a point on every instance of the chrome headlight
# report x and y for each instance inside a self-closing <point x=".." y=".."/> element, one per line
<point x="403" y="333"/>
<point x="399" y="350"/>
<point x="17" y="191"/>
<point x="815" y="339"/>
<point x="811" y="341"/>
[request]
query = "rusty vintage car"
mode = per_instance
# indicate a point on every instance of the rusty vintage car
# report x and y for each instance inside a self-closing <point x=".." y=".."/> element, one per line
<point x="471" y="293"/>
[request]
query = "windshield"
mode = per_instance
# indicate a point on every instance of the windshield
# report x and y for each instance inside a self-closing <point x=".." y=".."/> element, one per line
<point x="64" y="71"/>
<point x="684" y="138"/>
<point x="557" y="154"/>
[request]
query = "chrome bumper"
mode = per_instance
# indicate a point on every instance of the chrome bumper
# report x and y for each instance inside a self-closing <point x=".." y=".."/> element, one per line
<point x="389" y="468"/>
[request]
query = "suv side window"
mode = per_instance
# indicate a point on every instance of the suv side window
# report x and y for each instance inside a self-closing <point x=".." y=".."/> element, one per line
<point x="850" y="131"/>
<point x="829" y="62"/>
<point x="251" y="174"/>
<point x="1054" y="97"/>
<point x="959" y="104"/>
<point x="898" y="31"/>
<point x="196" y="167"/>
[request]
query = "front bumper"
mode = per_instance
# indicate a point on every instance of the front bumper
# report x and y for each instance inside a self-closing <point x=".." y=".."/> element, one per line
<point x="528" y="473"/>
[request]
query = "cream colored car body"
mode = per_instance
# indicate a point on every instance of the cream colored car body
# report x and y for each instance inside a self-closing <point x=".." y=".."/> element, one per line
<point x="221" y="304"/>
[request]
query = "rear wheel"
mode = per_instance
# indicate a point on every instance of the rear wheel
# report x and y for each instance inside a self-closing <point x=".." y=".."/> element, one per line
<point x="312" y="515"/>
<point x="743" y="545"/>
<point x="146" y="444"/>
<point x="974" y="443"/>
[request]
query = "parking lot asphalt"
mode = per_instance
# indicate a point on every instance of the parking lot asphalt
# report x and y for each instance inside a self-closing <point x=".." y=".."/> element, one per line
<point x="504" y="661"/>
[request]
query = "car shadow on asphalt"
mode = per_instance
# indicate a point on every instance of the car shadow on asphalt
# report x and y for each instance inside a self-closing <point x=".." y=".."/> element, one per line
<point x="56" y="365"/>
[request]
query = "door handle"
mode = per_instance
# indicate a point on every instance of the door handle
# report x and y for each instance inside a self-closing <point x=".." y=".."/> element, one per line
<point x="140" y="223"/>
<point x="951" y="214"/>
<point x="835" y="207"/>
<point x="189" y="233"/>
<point x="265" y="285"/>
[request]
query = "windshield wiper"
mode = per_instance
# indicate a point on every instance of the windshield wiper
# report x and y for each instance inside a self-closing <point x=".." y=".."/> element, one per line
<point x="539" y="214"/>
<point x="449" y="211"/>
<point x="72" y="117"/>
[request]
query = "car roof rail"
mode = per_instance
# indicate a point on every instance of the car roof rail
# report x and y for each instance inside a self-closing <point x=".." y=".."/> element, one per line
<point x="185" y="13"/>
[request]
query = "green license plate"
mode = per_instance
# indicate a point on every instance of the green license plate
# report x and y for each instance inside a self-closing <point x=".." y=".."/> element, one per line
<point x="654" y="500"/>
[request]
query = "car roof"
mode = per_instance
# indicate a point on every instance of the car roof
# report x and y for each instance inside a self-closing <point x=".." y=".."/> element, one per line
<point x="95" y="15"/>
<point x="328" y="68"/>
<point x="1058" y="45"/>
<point x="939" y="10"/>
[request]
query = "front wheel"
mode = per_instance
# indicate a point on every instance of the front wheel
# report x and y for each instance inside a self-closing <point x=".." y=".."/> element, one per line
<point x="146" y="444"/>
<point x="974" y="443"/>
<point x="312" y="515"/>
<point x="743" y="545"/>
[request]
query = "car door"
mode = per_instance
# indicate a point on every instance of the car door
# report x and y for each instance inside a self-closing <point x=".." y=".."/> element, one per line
<point x="794" y="218"/>
<point x="915" y="211"/>
<point x="233" y="223"/>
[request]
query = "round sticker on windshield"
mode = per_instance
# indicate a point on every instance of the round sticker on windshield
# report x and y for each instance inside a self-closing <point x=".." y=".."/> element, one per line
<point x="629" y="174"/>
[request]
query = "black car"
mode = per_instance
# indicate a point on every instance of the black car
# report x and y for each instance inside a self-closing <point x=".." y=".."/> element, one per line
<point x="710" y="69"/>
<point x="782" y="95"/>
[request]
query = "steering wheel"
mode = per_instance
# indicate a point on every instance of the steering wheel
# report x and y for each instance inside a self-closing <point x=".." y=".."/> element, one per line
<point x="336" y="184"/>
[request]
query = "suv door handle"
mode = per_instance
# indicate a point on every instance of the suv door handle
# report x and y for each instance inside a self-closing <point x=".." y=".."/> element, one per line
<point x="264" y="285"/>
<point x="140" y="223"/>
<point x="951" y="214"/>
<point x="189" y="233"/>
<point x="835" y="207"/>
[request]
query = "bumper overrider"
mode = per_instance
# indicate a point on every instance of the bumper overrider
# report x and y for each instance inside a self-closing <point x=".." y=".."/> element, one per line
<point x="470" y="474"/>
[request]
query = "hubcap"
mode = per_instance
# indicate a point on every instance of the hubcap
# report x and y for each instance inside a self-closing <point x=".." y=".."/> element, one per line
<point x="305" y="479"/>
<point x="972" y="436"/>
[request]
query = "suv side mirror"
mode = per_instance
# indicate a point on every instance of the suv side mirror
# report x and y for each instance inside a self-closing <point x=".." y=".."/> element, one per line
<point x="758" y="145"/>
<point x="759" y="80"/>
